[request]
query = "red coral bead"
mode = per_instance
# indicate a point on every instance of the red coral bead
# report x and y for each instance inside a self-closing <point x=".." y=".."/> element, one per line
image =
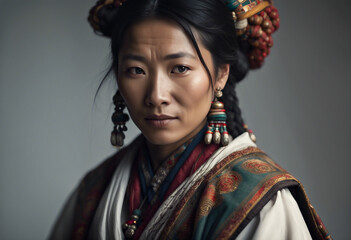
<point x="273" y="15"/>
<point x="130" y="222"/>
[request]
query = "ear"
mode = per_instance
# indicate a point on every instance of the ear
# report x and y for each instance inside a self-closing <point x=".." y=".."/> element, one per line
<point x="222" y="76"/>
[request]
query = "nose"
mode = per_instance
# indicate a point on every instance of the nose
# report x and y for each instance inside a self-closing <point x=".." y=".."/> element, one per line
<point x="158" y="92"/>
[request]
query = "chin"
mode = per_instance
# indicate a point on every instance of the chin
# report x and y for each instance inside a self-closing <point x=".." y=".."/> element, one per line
<point x="162" y="137"/>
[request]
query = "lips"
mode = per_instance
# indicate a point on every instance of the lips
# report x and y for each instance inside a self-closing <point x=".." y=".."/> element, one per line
<point x="159" y="120"/>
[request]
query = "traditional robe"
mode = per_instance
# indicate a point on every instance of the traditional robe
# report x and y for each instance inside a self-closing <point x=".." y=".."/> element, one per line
<point x="238" y="192"/>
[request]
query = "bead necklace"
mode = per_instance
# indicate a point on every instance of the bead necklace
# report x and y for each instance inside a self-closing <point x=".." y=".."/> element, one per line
<point x="160" y="181"/>
<point x="129" y="228"/>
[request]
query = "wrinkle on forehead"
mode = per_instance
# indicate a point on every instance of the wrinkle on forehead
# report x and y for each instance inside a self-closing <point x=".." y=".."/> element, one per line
<point x="156" y="37"/>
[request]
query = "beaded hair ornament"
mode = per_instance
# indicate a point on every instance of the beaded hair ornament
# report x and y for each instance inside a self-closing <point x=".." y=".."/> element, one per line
<point x="255" y="21"/>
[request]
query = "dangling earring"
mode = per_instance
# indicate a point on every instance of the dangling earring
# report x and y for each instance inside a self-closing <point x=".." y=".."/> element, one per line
<point x="217" y="126"/>
<point x="119" y="120"/>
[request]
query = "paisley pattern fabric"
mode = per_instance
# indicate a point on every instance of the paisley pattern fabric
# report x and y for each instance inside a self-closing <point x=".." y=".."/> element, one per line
<point x="218" y="205"/>
<point x="231" y="195"/>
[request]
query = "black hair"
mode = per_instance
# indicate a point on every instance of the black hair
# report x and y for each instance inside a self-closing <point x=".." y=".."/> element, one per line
<point x="213" y="23"/>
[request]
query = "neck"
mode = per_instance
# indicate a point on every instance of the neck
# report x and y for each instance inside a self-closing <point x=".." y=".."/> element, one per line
<point x="159" y="153"/>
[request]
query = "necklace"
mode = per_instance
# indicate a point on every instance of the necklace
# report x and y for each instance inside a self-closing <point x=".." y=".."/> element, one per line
<point x="158" y="183"/>
<point x="151" y="192"/>
<point x="130" y="226"/>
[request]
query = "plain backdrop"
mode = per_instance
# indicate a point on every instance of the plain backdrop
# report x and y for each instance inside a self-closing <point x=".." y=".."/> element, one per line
<point x="52" y="132"/>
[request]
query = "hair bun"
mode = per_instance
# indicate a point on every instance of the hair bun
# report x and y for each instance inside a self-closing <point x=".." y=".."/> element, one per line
<point x="102" y="14"/>
<point x="256" y="37"/>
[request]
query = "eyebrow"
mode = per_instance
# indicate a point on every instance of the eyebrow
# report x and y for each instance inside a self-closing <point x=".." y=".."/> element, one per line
<point x="131" y="56"/>
<point x="179" y="55"/>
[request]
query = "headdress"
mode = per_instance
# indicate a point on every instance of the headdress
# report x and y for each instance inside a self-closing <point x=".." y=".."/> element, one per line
<point x="255" y="21"/>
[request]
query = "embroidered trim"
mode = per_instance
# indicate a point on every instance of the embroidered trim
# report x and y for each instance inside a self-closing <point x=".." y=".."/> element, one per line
<point x="213" y="172"/>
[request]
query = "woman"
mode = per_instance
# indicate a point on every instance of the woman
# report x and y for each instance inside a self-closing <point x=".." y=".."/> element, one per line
<point x="195" y="171"/>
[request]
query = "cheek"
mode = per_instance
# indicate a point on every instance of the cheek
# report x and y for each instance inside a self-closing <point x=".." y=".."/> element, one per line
<point x="131" y="92"/>
<point x="131" y="89"/>
<point x="196" y="96"/>
<point x="132" y="95"/>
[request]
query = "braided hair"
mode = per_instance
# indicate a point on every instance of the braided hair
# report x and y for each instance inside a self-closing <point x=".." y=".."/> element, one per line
<point x="213" y="24"/>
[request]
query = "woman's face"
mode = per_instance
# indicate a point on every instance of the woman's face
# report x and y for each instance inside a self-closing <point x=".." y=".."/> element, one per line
<point x="166" y="88"/>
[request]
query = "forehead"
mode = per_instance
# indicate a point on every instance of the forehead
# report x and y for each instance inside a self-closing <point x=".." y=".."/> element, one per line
<point x="157" y="34"/>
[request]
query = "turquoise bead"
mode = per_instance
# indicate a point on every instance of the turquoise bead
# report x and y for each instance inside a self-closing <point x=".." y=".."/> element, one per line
<point x="137" y="212"/>
<point x="221" y="117"/>
<point x="232" y="4"/>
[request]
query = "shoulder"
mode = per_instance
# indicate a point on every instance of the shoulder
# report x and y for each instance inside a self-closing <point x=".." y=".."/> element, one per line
<point x="280" y="218"/>
<point x="251" y="172"/>
<point x="104" y="169"/>
<point x="246" y="182"/>
<point x="86" y="194"/>
<point x="242" y="184"/>
<point x="79" y="210"/>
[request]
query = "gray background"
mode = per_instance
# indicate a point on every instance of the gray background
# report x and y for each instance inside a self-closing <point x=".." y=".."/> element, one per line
<point x="52" y="132"/>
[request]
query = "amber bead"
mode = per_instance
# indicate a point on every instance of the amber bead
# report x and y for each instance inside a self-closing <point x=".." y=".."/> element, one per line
<point x="268" y="30"/>
<point x="258" y="20"/>
<point x="255" y="43"/>
<point x="273" y="14"/>
<point x="251" y="19"/>
<point x="265" y="24"/>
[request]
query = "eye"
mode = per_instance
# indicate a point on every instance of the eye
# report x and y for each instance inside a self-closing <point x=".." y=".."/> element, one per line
<point x="180" y="69"/>
<point x="135" y="70"/>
